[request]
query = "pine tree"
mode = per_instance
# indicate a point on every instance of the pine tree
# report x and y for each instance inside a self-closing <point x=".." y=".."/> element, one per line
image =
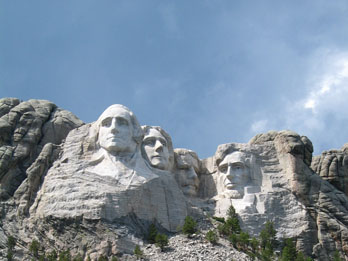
<point x="189" y="226"/>
<point x="336" y="256"/>
<point x="137" y="252"/>
<point x="161" y="241"/>
<point x="52" y="256"/>
<point x="11" y="243"/>
<point x="243" y="240"/>
<point x="211" y="236"/>
<point x="254" y="243"/>
<point x="34" y="248"/>
<point x="151" y="236"/>
<point x="289" y="251"/>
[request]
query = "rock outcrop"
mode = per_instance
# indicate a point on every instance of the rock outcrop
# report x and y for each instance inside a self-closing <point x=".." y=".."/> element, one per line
<point x="71" y="190"/>
<point x="95" y="188"/>
<point x="25" y="128"/>
<point x="332" y="166"/>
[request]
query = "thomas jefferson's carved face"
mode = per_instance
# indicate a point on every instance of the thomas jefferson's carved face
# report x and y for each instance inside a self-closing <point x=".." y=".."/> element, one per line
<point x="116" y="131"/>
<point x="234" y="175"/>
<point x="156" y="150"/>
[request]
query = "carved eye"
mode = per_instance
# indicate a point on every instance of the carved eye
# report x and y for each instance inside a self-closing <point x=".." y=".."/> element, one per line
<point x="223" y="168"/>
<point x="164" y="143"/>
<point x="149" y="142"/>
<point x="106" y="122"/>
<point x="238" y="167"/>
<point x="122" y="122"/>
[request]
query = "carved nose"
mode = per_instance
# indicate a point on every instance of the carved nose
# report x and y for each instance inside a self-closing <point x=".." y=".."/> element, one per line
<point x="114" y="126"/>
<point x="191" y="173"/>
<point x="158" y="146"/>
<point x="229" y="171"/>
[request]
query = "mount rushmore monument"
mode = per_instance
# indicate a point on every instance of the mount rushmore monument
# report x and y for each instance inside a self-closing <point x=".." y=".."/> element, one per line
<point x="97" y="187"/>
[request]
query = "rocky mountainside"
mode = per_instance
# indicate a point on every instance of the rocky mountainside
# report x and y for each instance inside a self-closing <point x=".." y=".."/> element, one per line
<point x="95" y="189"/>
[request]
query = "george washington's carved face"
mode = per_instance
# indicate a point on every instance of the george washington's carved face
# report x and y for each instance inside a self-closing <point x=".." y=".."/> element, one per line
<point x="116" y="131"/>
<point x="233" y="175"/>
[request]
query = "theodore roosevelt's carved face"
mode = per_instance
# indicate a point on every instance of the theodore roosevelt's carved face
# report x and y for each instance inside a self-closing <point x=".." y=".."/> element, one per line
<point x="116" y="131"/>
<point x="156" y="150"/>
<point x="186" y="174"/>
<point x="233" y="175"/>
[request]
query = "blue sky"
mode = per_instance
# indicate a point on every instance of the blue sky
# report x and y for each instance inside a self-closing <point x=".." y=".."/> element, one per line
<point x="208" y="72"/>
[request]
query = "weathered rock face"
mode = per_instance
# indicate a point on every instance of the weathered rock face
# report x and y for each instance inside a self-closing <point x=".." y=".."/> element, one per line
<point x="280" y="186"/>
<point x="72" y="190"/>
<point x="95" y="188"/>
<point x="25" y="128"/>
<point x="332" y="166"/>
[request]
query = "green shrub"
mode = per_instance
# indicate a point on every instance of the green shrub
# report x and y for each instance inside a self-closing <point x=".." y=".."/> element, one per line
<point x="151" y="236"/>
<point x="336" y="256"/>
<point x="301" y="257"/>
<point x="11" y="243"/>
<point x="52" y="256"/>
<point x="9" y="255"/>
<point x="103" y="258"/>
<point x="267" y="237"/>
<point x="231" y="226"/>
<point x="114" y="258"/>
<point x="220" y="219"/>
<point x="34" y="248"/>
<point x="137" y="252"/>
<point x="212" y="237"/>
<point x="64" y="256"/>
<point x="289" y="250"/>
<point x="231" y="212"/>
<point x="78" y="258"/>
<point x="233" y="238"/>
<point x="254" y="243"/>
<point x="223" y="229"/>
<point x="161" y="241"/>
<point x="266" y="253"/>
<point x="243" y="240"/>
<point x="189" y="226"/>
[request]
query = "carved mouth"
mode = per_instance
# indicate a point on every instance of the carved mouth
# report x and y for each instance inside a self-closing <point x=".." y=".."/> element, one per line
<point x="113" y="138"/>
<point x="190" y="186"/>
<point x="156" y="157"/>
<point x="230" y="185"/>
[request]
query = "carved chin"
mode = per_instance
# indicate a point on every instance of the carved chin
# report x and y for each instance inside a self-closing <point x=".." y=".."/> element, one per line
<point x="233" y="194"/>
<point x="117" y="146"/>
<point x="189" y="190"/>
<point x="158" y="163"/>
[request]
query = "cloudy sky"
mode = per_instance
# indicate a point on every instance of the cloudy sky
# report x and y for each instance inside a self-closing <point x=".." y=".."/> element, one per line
<point x="208" y="72"/>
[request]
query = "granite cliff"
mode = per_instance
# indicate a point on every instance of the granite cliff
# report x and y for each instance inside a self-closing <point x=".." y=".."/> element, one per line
<point x="95" y="188"/>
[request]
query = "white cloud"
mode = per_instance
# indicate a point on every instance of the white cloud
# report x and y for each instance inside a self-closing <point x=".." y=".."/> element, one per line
<point x="322" y="113"/>
<point x="259" y="126"/>
<point x="326" y="93"/>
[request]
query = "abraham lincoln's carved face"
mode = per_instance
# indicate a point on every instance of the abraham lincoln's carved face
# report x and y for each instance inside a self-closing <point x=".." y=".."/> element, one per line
<point x="233" y="175"/>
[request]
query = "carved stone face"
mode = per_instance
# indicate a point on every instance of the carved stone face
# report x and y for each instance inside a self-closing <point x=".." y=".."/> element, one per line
<point x="156" y="150"/>
<point x="115" y="131"/>
<point x="233" y="175"/>
<point x="186" y="175"/>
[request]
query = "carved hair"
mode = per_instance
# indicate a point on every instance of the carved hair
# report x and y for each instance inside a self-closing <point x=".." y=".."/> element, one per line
<point x="182" y="164"/>
<point x="94" y="130"/>
<point x="225" y="149"/>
